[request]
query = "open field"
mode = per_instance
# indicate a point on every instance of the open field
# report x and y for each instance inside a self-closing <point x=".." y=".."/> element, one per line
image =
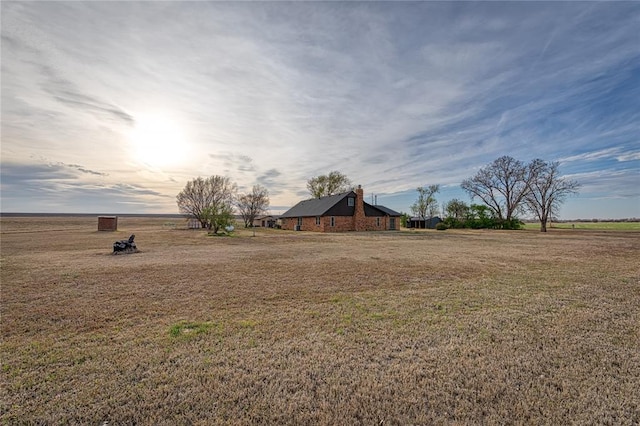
<point x="424" y="327"/>
<point x="594" y="226"/>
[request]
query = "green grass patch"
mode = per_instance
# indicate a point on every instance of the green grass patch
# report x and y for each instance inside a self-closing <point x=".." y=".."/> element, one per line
<point x="247" y="323"/>
<point x="596" y="226"/>
<point x="189" y="328"/>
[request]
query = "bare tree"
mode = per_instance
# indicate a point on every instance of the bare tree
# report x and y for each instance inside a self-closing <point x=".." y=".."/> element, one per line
<point x="501" y="185"/>
<point x="547" y="190"/>
<point x="253" y="204"/>
<point x="333" y="183"/>
<point x="426" y="205"/>
<point x="203" y="199"/>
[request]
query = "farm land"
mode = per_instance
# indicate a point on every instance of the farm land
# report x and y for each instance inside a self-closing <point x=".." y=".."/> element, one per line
<point x="411" y="327"/>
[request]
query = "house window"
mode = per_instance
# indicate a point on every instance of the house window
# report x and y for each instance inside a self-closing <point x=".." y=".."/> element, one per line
<point x="333" y="221"/>
<point x="351" y="201"/>
<point x="392" y="223"/>
<point x="377" y="221"/>
<point x="317" y="220"/>
<point x="299" y="221"/>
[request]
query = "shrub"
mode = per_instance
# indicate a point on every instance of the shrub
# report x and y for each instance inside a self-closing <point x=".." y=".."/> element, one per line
<point x="514" y="223"/>
<point x="441" y="226"/>
<point x="454" y="223"/>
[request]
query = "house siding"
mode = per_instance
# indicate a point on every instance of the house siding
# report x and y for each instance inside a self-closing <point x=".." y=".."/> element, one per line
<point x="371" y="224"/>
<point x="341" y="224"/>
<point x="308" y="224"/>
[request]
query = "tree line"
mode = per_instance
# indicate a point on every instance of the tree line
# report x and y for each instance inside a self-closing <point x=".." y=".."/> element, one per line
<point x="507" y="187"/>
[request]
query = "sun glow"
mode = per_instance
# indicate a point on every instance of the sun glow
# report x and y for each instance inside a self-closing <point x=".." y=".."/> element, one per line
<point x="158" y="141"/>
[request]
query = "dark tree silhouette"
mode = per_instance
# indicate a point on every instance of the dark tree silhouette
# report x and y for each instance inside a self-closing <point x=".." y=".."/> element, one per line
<point x="253" y="204"/>
<point x="547" y="190"/>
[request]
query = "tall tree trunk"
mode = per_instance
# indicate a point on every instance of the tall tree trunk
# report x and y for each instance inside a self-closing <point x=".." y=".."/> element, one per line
<point x="543" y="225"/>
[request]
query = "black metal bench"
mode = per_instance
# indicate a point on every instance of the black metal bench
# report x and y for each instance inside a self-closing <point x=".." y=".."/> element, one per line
<point x="125" y="246"/>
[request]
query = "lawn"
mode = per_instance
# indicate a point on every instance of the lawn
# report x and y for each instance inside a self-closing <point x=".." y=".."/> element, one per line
<point x="429" y="327"/>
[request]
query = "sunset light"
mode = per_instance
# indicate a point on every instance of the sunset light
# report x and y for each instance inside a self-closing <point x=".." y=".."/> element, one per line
<point x="158" y="141"/>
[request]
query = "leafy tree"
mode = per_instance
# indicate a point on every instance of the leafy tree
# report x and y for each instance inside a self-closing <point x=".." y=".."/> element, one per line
<point x="203" y="199"/>
<point x="219" y="217"/>
<point x="333" y="183"/>
<point x="404" y="218"/>
<point x="502" y="186"/>
<point x="426" y="205"/>
<point x="253" y="204"/>
<point x="547" y="190"/>
<point x="480" y="217"/>
<point x="456" y="213"/>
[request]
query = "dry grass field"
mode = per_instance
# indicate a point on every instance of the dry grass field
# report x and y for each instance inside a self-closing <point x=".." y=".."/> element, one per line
<point x="453" y="327"/>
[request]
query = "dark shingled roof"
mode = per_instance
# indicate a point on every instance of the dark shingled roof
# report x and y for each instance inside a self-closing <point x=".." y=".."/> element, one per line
<point x="387" y="210"/>
<point x="315" y="206"/>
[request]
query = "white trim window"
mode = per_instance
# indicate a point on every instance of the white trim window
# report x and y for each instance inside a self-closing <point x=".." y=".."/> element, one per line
<point x="317" y="220"/>
<point x="378" y="221"/>
<point x="333" y="221"/>
<point x="351" y="201"/>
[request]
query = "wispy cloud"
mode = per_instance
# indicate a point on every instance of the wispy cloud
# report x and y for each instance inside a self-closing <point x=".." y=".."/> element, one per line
<point x="593" y="155"/>
<point x="615" y="183"/>
<point x="85" y="170"/>
<point x="630" y="156"/>
<point x="88" y="104"/>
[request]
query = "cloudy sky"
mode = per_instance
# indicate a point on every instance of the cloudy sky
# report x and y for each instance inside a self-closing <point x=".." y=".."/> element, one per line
<point x="111" y="107"/>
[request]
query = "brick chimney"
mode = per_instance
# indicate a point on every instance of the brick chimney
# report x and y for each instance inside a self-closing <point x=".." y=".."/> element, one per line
<point x="359" y="221"/>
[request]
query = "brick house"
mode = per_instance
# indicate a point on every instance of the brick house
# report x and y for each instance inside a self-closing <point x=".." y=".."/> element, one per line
<point x="338" y="213"/>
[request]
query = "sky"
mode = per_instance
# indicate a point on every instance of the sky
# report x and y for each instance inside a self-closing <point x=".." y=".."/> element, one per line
<point x="112" y="107"/>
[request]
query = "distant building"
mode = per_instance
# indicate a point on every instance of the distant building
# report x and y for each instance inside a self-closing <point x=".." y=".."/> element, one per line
<point x="264" y="221"/>
<point x="338" y="213"/>
<point x="420" y="223"/>
<point x="107" y="223"/>
<point x="193" y="223"/>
